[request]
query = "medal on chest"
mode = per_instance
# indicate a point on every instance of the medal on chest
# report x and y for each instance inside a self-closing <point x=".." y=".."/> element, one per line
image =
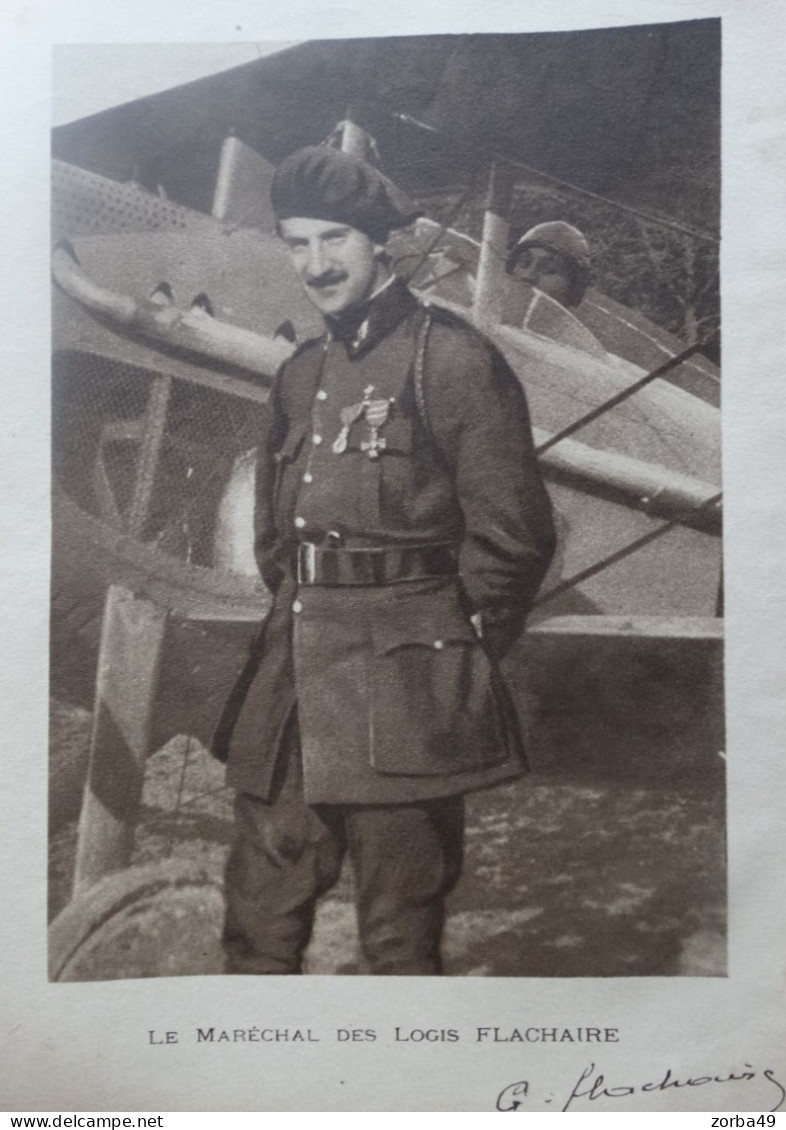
<point x="375" y="413"/>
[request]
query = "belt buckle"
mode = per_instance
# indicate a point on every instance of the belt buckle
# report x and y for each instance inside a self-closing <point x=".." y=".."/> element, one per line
<point x="306" y="563"/>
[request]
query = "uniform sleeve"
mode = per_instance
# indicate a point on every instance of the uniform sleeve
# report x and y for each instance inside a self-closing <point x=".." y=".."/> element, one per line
<point x="266" y="539"/>
<point x="479" y="416"/>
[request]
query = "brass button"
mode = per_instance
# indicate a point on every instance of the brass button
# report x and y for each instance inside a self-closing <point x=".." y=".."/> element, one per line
<point x="300" y="522"/>
<point x="308" y="477"/>
<point x="297" y="606"/>
<point x="321" y="395"/>
<point x="317" y="440"/>
<point x="439" y="644"/>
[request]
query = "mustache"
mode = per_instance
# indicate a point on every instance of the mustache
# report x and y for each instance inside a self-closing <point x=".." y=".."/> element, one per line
<point x="327" y="278"/>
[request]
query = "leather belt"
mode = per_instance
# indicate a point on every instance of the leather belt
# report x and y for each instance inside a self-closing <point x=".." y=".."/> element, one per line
<point x="318" y="565"/>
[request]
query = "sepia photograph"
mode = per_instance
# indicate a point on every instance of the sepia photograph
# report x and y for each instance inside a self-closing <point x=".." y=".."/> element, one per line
<point x="392" y="604"/>
<point x="386" y="628"/>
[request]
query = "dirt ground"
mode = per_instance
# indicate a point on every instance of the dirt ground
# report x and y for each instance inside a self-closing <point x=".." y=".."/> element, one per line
<point x="567" y="873"/>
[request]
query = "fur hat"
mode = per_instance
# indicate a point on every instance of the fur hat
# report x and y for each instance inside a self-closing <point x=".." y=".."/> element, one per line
<point x="322" y="183"/>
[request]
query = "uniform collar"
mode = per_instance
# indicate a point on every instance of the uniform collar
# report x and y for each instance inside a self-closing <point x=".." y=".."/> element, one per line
<point x="361" y="328"/>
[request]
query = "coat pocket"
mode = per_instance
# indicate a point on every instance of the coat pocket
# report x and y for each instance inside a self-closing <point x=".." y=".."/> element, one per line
<point x="397" y="434"/>
<point x="434" y="707"/>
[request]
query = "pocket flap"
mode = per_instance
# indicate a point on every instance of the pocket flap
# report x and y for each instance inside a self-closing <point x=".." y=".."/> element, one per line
<point x="397" y="434"/>
<point x="437" y="632"/>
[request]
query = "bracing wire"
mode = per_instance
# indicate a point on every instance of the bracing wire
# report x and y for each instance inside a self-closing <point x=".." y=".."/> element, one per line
<point x="650" y="217"/>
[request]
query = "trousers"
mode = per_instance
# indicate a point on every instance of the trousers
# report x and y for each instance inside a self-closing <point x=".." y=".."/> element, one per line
<point x="405" y="860"/>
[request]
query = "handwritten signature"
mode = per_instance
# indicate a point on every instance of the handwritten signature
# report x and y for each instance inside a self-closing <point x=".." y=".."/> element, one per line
<point x="591" y="1085"/>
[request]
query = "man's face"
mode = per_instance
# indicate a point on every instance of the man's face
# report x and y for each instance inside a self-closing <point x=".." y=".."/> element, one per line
<point x="339" y="266"/>
<point x="545" y="269"/>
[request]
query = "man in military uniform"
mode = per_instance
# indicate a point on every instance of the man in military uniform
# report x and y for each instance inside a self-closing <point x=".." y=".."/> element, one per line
<point x="403" y="529"/>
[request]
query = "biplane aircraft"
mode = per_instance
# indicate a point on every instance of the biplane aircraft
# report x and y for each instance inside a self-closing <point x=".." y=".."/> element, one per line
<point x="168" y="326"/>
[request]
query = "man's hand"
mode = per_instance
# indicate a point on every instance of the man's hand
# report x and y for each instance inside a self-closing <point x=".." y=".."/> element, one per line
<point x="497" y="633"/>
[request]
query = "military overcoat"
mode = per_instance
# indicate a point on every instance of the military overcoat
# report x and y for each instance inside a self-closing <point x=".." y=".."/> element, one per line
<point x="411" y="433"/>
